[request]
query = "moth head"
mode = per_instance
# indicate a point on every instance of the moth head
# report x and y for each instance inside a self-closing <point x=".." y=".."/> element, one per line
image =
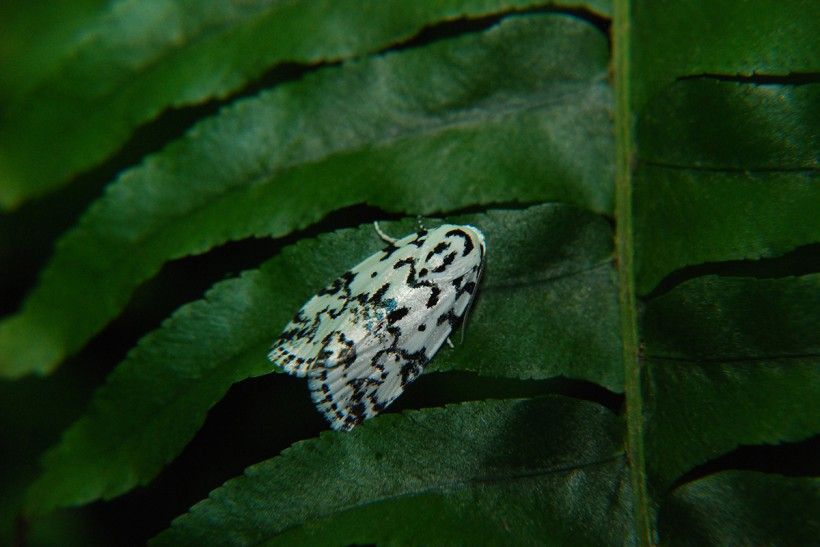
<point x="450" y="251"/>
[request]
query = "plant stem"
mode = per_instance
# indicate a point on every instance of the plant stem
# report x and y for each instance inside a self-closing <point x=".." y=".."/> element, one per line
<point x="642" y="514"/>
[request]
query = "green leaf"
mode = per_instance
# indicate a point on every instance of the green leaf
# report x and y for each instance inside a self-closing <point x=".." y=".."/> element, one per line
<point x="730" y="361"/>
<point x="469" y="121"/>
<point x="565" y="285"/>
<point x="769" y="215"/>
<point x="78" y="87"/>
<point x="743" y="508"/>
<point x="713" y="318"/>
<point x="732" y="126"/>
<point x="717" y="158"/>
<point x="685" y="38"/>
<point x="159" y="396"/>
<point x="713" y="154"/>
<point x="33" y="412"/>
<point x="495" y="463"/>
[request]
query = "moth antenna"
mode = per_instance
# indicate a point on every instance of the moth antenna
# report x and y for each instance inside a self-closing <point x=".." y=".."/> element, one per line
<point x="385" y="237"/>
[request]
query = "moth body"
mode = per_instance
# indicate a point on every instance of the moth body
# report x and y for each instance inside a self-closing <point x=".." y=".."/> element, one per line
<point x="370" y="332"/>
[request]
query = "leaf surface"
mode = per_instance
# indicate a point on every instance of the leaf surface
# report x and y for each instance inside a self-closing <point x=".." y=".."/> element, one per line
<point x="731" y="361"/>
<point x="717" y="160"/>
<point x="716" y="154"/>
<point x="743" y="507"/>
<point x="468" y="121"/>
<point x="74" y="90"/>
<point x="495" y="464"/>
<point x="686" y="38"/>
<point x="159" y="395"/>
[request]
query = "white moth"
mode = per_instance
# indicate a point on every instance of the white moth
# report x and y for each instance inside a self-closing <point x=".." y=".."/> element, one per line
<point x="369" y="333"/>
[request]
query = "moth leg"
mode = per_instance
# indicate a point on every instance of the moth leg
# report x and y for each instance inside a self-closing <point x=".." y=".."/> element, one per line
<point x="450" y="343"/>
<point x="387" y="238"/>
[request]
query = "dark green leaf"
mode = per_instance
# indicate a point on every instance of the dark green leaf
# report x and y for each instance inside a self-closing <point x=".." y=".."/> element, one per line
<point x="743" y="508"/>
<point x="730" y="361"/>
<point x="545" y="309"/>
<point x="715" y="155"/>
<point x="492" y="466"/>
<point x="688" y="217"/>
<point x="735" y="318"/>
<point x="711" y="125"/>
<point x="76" y="89"/>
<point x="473" y="120"/>
<point x="717" y="160"/>
<point x="159" y="396"/>
<point x="675" y="38"/>
<point x="700" y="411"/>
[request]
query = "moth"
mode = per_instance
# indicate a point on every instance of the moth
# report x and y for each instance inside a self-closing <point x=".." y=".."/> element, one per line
<point x="370" y="332"/>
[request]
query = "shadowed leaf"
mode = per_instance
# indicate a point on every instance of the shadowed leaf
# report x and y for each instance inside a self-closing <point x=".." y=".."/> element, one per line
<point x="730" y="361"/>
<point x="743" y="507"/>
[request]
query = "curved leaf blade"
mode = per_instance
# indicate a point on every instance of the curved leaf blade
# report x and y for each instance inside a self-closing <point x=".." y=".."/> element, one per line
<point x="716" y="154"/>
<point x="489" y="454"/>
<point x="717" y="318"/>
<point x="724" y="38"/>
<point x="416" y="131"/>
<point x="730" y="362"/>
<point x="716" y="160"/>
<point x="73" y="96"/>
<point x="743" y="507"/>
<point x="710" y="124"/>
<point x="154" y="402"/>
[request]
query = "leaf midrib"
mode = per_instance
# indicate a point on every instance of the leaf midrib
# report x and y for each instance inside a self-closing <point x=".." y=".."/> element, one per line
<point x="625" y="156"/>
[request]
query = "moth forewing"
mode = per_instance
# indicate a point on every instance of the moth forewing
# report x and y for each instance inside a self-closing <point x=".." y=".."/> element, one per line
<point x="370" y="332"/>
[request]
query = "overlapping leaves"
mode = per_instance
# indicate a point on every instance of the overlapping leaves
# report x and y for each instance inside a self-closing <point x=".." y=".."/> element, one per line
<point x="159" y="396"/>
<point x="413" y="131"/>
<point x="489" y="481"/>
<point x="724" y="167"/>
<point x="75" y="90"/>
